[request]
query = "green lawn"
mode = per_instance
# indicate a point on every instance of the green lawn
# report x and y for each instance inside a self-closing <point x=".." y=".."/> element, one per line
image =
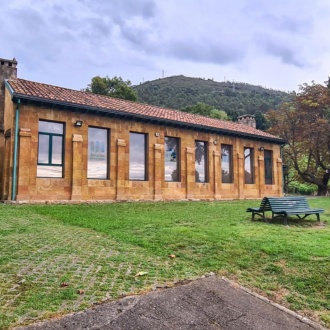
<point x="50" y="252"/>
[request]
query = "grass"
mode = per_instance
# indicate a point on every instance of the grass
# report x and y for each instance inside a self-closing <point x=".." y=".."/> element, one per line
<point x="56" y="259"/>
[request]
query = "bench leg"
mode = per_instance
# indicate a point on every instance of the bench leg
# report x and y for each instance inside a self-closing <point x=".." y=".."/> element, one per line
<point x="318" y="217"/>
<point x="286" y="220"/>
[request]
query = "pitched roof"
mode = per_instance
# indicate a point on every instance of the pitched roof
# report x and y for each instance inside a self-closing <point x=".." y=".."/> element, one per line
<point x="38" y="92"/>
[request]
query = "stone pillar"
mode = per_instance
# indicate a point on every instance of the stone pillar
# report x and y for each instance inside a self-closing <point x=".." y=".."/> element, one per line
<point x="261" y="183"/>
<point x="217" y="175"/>
<point x="240" y="176"/>
<point x="158" y="167"/>
<point x="190" y="173"/>
<point x="279" y="176"/>
<point x="121" y="168"/>
<point x="77" y="166"/>
<point x="24" y="165"/>
<point x="8" y="69"/>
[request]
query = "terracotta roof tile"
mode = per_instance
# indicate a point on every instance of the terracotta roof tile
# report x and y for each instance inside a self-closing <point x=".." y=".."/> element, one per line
<point x="29" y="89"/>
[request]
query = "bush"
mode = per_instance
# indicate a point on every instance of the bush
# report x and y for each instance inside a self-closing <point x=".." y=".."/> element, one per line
<point x="302" y="188"/>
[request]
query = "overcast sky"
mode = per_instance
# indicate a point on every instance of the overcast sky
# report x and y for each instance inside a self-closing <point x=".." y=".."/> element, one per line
<point x="276" y="44"/>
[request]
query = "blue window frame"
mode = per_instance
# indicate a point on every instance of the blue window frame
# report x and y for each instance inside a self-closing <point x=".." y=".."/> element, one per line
<point x="50" y="149"/>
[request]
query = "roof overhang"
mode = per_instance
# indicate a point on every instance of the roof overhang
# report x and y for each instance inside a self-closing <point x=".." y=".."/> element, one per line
<point x="133" y="116"/>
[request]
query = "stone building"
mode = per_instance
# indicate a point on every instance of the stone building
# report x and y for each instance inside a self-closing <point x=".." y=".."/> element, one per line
<point x="58" y="144"/>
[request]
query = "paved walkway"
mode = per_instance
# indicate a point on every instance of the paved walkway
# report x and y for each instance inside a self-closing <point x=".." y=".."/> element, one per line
<point x="209" y="303"/>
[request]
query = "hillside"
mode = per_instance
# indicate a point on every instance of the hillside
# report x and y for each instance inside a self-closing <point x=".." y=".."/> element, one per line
<point x="235" y="99"/>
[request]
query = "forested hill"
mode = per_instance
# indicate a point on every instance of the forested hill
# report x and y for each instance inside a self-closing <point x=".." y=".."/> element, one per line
<point x="235" y="99"/>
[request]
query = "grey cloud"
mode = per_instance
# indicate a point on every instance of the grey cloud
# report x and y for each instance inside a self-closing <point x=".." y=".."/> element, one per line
<point x="27" y="19"/>
<point x="120" y="8"/>
<point x="294" y="25"/>
<point x="204" y="52"/>
<point x="121" y="15"/>
<point x="285" y="23"/>
<point x="288" y="55"/>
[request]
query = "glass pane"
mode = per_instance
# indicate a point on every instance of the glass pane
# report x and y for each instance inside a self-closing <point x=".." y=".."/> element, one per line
<point x="50" y="127"/>
<point x="43" y="149"/>
<point x="226" y="163"/>
<point x="248" y="165"/>
<point x="171" y="159"/>
<point x="137" y="157"/>
<point x="200" y="161"/>
<point x="97" y="167"/>
<point x="49" y="171"/>
<point x="57" y="150"/>
<point x="268" y="167"/>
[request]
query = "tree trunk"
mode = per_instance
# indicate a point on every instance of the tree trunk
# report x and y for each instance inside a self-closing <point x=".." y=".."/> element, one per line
<point x="322" y="190"/>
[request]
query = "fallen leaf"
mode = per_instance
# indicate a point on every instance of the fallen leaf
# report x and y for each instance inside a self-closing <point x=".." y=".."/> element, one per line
<point x="141" y="273"/>
<point x="172" y="256"/>
<point x="80" y="291"/>
<point x="64" y="284"/>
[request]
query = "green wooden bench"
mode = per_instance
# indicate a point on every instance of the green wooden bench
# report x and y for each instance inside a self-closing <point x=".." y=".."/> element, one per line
<point x="264" y="206"/>
<point x="287" y="206"/>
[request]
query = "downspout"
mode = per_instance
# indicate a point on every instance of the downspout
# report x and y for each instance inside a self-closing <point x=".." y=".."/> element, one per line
<point x="14" y="182"/>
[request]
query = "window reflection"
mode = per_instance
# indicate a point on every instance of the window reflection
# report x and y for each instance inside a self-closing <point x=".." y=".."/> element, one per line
<point x="137" y="156"/>
<point x="50" y="127"/>
<point x="226" y="163"/>
<point x="248" y="165"/>
<point x="97" y="167"/>
<point x="268" y="159"/>
<point x="172" y="159"/>
<point x="200" y="161"/>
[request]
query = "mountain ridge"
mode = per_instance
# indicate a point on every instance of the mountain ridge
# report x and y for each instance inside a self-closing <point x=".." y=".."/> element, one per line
<point x="235" y="98"/>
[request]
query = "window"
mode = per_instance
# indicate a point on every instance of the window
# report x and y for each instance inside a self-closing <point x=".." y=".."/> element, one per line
<point x="97" y="166"/>
<point x="248" y="165"/>
<point x="137" y="157"/>
<point x="227" y="163"/>
<point x="50" y="149"/>
<point x="200" y="161"/>
<point x="172" y="159"/>
<point x="268" y="160"/>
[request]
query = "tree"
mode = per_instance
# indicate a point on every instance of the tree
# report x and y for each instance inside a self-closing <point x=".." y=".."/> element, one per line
<point x="114" y="87"/>
<point x="261" y="121"/>
<point x="206" y="110"/>
<point x="304" y="123"/>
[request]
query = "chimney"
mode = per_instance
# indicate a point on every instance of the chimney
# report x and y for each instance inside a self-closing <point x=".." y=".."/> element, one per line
<point x="7" y="70"/>
<point x="248" y="120"/>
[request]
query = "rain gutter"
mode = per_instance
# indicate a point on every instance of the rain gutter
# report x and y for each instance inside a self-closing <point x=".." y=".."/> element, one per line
<point x="14" y="180"/>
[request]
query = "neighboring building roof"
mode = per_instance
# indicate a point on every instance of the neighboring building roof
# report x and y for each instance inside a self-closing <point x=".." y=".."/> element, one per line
<point x="63" y="97"/>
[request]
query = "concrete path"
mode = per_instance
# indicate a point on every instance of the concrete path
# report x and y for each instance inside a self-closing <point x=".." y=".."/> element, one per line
<point x="208" y="303"/>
